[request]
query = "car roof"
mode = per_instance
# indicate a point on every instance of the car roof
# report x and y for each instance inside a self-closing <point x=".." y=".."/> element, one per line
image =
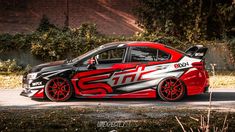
<point x="114" y="44"/>
<point x="130" y="43"/>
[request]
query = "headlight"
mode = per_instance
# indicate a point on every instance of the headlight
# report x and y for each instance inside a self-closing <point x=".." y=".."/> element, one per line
<point x="32" y="75"/>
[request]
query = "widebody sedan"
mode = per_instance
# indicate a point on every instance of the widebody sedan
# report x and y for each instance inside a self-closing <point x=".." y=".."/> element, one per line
<point x="122" y="70"/>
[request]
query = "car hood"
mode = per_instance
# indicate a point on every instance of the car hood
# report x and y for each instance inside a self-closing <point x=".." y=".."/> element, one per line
<point x="55" y="65"/>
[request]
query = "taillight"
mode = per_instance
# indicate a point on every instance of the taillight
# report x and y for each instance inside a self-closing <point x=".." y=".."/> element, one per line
<point x="199" y="65"/>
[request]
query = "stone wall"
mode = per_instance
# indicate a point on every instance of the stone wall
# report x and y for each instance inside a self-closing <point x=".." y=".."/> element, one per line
<point x="113" y="17"/>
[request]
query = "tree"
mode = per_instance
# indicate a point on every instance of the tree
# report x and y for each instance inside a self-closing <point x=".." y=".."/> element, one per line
<point x="186" y="19"/>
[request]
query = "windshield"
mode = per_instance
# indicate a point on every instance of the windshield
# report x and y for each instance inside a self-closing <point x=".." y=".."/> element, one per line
<point x="86" y="54"/>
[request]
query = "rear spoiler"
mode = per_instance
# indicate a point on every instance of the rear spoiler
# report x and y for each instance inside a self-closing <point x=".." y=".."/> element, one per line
<point x="197" y="51"/>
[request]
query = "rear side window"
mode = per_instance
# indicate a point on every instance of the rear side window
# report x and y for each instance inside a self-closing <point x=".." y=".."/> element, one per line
<point x="162" y="56"/>
<point x="145" y="54"/>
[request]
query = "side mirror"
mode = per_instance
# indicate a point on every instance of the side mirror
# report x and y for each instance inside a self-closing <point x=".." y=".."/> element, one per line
<point x="91" y="61"/>
<point x="91" y="64"/>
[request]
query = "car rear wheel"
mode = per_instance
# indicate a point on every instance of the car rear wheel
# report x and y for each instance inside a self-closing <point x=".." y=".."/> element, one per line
<point x="171" y="89"/>
<point x="58" y="89"/>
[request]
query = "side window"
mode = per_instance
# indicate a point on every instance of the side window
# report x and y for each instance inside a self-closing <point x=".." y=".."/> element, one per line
<point x="162" y="56"/>
<point x="111" y="56"/>
<point x="145" y="54"/>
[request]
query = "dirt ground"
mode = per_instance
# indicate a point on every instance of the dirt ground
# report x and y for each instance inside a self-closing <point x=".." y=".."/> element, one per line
<point x="109" y="118"/>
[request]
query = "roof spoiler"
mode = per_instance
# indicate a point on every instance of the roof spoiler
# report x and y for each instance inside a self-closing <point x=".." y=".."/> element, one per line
<point x="197" y="51"/>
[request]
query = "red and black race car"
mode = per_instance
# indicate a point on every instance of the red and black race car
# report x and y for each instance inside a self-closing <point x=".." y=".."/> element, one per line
<point x="122" y="70"/>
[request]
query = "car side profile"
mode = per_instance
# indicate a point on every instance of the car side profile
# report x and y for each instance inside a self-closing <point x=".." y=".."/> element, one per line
<point x="122" y="70"/>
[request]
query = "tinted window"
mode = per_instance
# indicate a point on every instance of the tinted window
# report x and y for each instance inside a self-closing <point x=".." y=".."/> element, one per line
<point x="145" y="54"/>
<point x="162" y="56"/>
<point x="111" y="56"/>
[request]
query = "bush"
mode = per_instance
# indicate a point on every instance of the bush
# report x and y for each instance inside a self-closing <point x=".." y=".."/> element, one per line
<point x="45" y="24"/>
<point x="158" y="37"/>
<point x="191" y="20"/>
<point x="231" y="45"/>
<point x="9" y="66"/>
<point x="56" y="44"/>
<point x="13" y="42"/>
<point x="52" y="43"/>
<point x="49" y="42"/>
<point x="6" y="42"/>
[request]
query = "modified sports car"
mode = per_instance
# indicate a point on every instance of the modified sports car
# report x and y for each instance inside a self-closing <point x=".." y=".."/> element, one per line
<point x="122" y="70"/>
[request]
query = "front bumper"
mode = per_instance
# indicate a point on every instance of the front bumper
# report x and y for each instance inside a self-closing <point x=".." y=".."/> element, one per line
<point x="26" y="92"/>
<point x="32" y="91"/>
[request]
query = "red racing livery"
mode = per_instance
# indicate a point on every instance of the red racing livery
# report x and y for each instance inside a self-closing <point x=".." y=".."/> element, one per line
<point x="122" y="70"/>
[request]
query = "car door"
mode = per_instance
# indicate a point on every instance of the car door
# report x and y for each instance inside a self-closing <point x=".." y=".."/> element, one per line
<point x="143" y="61"/>
<point x="93" y="82"/>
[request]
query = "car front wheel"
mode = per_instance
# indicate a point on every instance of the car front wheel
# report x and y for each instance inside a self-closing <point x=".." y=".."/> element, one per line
<point x="58" y="89"/>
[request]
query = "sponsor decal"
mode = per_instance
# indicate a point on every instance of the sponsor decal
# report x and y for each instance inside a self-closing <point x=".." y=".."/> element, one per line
<point x="181" y="65"/>
<point x="36" y="83"/>
<point x="86" y="86"/>
<point x="100" y="81"/>
<point x="130" y="76"/>
<point x="199" y="54"/>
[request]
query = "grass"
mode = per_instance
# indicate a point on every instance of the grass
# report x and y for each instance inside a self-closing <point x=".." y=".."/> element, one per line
<point x="222" y="79"/>
<point x="10" y="80"/>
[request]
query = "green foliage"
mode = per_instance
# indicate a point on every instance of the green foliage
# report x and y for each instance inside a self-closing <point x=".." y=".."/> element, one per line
<point x="226" y="18"/>
<point x="231" y="45"/>
<point x="158" y="37"/>
<point x="50" y="43"/>
<point x="45" y="24"/>
<point x="9" y="66"/>
<point x="12" y="42"/>
<point x="55" y="43"/>
<point x="190" y="20"/>
<point x="6" y="42"/>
